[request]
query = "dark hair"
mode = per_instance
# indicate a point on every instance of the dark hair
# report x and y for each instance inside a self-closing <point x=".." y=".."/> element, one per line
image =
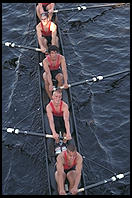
<point x="71" y="147"/>
<point x="53" y="48"/>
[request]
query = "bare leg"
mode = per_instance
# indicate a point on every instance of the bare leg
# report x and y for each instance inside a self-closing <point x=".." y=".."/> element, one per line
<point x="44" y="40"/>
<point x="47" y="86"/>
<point x="50" y="14"/>
<point x="56" y="42"/>
<point x="39" y="10"/>
<point x="44" y="43"/>
<point x="60" y="179"/>
<point x="71" y="178"/>
<point x="59" y="78"/>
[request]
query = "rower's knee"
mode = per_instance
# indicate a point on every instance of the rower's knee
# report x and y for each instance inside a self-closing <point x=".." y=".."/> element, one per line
<point x="71" y="176"/>
<point x="45" y="78"/>
<point x="37" y="8"/>
<point x="60" y="173"/>
<point x="59" y="78"/>
<point x="38" y="12"/>
<point x="44" y="41"/>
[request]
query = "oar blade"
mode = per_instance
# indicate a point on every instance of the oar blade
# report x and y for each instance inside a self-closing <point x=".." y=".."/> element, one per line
<point x="13" y="45"/>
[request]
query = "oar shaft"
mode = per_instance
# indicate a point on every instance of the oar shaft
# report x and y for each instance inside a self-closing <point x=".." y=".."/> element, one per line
<point x="98" y="78"/>
<point x="80" y="8"/>
<point x="13" y="45"/>
<point x="79" y="83"/>
<point x="116" y="73"/>
<point x="65" y="9"/>
<point x="94" y="79"/>
<point x="105" y="5"/>
<point x="112" y="179"/>
<point x="17" y="131"/>
<point x="95" y="185"/>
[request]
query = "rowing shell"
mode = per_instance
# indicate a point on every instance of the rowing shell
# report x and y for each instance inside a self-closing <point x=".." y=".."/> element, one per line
<point x="49" y="143"/>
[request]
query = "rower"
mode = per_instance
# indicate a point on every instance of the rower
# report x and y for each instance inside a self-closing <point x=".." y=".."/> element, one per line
<point x="55" y="70"/>
<point x="46" y="33"/>
<point x="45" y="7"/>
<point x="58" y="116"/>
<point x="68" y="166"/>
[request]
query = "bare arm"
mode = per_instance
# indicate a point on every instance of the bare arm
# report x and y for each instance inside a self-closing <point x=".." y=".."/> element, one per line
<point x="40" y="39"/>
<point x="53" y="28"/>
<point x="51" y="7"/>
<point x="78" y="170"/>
<point x="64" y="69"/>
<point x="66" y="119"/>
<point x="51" y="121"/>
<point x="47" y="70"/>
<point x="41" y="10"/>
<point x="60" y="171"/>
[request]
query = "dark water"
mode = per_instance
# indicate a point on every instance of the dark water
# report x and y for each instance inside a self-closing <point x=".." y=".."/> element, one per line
<point x="96" y="42"/>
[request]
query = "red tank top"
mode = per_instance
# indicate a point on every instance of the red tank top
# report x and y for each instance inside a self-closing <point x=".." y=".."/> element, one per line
<point x="56" y="67"/>
<point x="60" y="113"/>
<point x="45" y="4"/>
<point x="66" y="163"/>
<point x="44" y="33"/>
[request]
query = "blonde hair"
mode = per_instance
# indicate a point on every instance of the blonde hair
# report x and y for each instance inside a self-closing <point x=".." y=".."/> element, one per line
<point x="57" y="91"/>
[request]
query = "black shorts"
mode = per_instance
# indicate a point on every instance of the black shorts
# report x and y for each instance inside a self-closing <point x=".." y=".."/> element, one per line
<point x="59" y="124"/>
<point x="48" y="38"/>
<point x="54" y="73"/>
<point x="67" y="170"/>
<point x="44" y="8"/>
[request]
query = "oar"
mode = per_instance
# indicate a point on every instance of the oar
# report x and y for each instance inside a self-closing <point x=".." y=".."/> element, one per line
<point x="13" y="45"/>
<point x="17" y="131"/>
<point x="94" y="79"/>
<point x="112" y="179"/>
<point x="80" y="8"/>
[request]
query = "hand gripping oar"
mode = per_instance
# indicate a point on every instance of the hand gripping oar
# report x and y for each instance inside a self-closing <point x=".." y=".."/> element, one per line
<point x="17" y="131"/>
<point x="13" y="45"/>
<point x="80" y="8"/>
<point x="94" y="79"/>
<point x="112" y="179"/>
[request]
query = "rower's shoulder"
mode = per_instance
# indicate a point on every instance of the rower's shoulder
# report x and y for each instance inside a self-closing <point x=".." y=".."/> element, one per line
<point x="53" y="27"/>
<point x="65" y="104"/>
<point x="62" y="57"/>
<point x="48" y="107"/>
<point x="79" y="156"/>
<point x="60" y="157"/>
<point x="38" y="26"/>
<point x="53" y="24"/>
<point x="45" y="60"/>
